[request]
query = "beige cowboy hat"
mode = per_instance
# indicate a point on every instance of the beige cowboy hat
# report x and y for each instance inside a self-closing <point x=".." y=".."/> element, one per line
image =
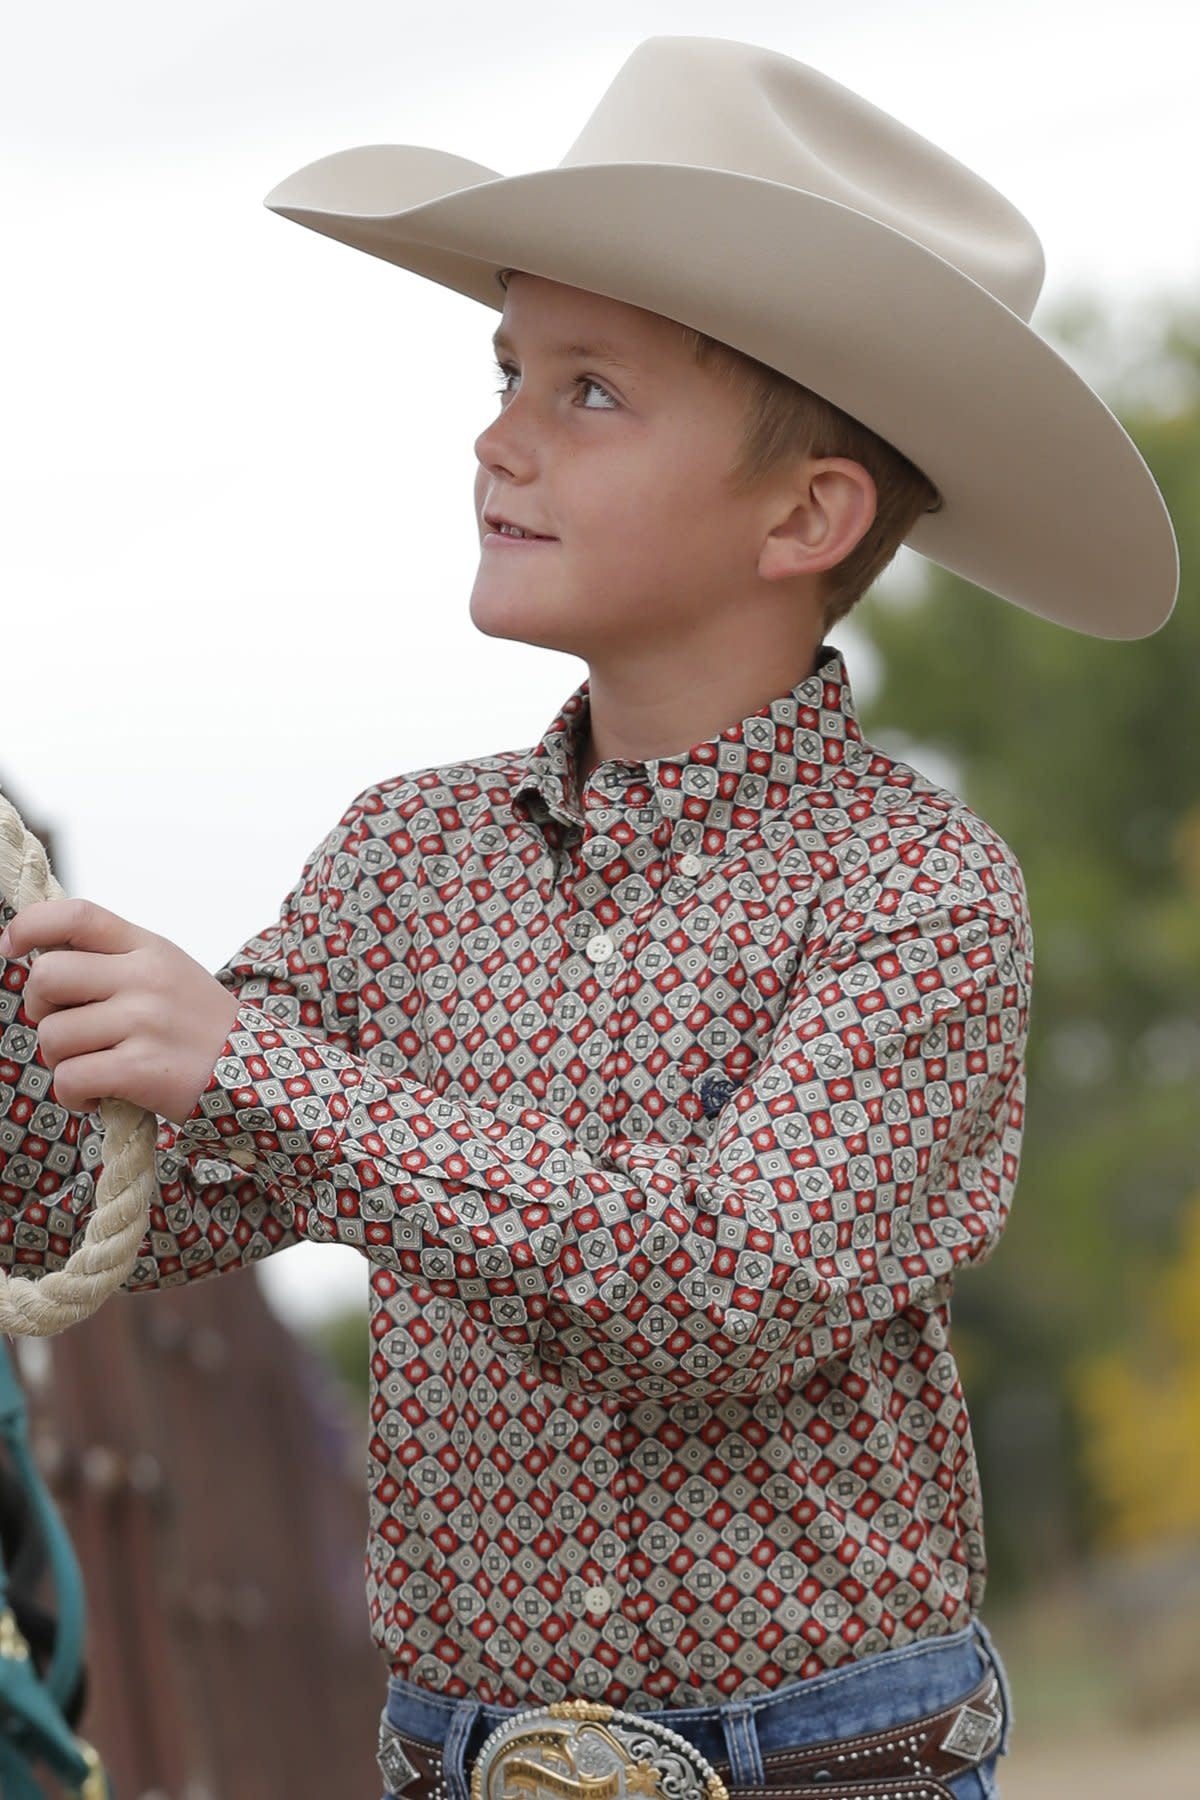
<point x="755" y="199"/>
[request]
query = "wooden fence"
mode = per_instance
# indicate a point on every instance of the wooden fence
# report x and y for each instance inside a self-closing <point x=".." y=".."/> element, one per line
<point x="206" y="1465"/>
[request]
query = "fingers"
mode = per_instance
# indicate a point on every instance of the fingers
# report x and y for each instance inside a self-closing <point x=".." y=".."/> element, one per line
<point x="82" y="1082"/>
<point x="79" y="924"/>
<point x="81" y="1031"/>
<point x="67" y="978"/>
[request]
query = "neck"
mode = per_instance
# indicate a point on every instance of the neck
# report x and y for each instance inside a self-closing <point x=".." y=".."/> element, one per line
<point x="644" y="713"/>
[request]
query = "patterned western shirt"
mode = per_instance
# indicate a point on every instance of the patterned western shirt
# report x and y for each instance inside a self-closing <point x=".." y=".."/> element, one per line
<point x="665" y="1115"/>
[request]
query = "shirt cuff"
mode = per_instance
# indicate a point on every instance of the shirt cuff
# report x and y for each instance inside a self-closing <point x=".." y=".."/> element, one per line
<point x="276" y="1102"/>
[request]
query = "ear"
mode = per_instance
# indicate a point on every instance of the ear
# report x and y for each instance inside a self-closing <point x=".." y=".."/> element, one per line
<point x="835" y="508"/>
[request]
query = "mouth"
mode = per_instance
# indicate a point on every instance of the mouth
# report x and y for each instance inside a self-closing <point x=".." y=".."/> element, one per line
<point x="507" y="531"/>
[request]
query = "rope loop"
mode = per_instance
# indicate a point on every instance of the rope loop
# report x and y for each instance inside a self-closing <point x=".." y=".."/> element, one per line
<point x="117" y="1225"/>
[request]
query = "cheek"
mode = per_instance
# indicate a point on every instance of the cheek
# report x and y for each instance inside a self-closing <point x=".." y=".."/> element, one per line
<point x="683" y="518"/>
<point x="650" y="498"/>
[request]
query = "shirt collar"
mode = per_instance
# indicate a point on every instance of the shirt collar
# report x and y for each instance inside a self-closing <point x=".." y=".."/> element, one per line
<point x="726" y="783"/>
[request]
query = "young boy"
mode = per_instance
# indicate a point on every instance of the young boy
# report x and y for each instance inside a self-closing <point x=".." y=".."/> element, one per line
<point x="666" y="1072"/>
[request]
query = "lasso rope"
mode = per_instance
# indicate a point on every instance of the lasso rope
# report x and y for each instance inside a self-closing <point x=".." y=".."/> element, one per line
<point x="128" y="1179"/>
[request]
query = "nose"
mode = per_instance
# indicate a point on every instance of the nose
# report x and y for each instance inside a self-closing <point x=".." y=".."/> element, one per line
<point x="505" y="447"/>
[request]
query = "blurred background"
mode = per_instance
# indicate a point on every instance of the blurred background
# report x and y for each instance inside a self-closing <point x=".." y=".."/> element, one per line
<point x="236" y="556"/>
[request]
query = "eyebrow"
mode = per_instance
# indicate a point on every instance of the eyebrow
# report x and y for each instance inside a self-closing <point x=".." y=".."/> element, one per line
<point x="599" y="350"/>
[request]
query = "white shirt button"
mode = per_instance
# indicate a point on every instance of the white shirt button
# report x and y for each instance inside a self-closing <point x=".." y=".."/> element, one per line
<point x="690" y="865"/>
<point x="600" y="947"/>
<point x="598" y="1601"/>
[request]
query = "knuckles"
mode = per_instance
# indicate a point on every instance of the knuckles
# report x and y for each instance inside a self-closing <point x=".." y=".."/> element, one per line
<point x="44" y="984"/>
<point x="156" y="969"/>
<point x="79" y="915"/>
<point x="49" y="1041"/>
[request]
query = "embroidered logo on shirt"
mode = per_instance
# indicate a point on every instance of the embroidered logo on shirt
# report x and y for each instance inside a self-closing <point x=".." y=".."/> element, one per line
<point x="715" y="1090"/>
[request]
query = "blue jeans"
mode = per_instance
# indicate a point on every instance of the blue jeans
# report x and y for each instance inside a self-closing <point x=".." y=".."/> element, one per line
<point x="891" y="1688"/>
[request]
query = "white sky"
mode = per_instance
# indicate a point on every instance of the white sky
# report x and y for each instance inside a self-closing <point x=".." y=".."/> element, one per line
<point x="237" y="456"/>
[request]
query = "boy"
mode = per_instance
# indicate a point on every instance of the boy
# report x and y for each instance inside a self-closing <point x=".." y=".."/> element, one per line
<point x="666" y="1072"/>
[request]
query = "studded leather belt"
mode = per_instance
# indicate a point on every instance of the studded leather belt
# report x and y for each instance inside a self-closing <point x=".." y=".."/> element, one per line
<point x="906" y="1762"/>
<point x="579" y="1750"/>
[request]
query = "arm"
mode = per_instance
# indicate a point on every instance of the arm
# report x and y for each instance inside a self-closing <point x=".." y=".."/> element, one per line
<point x="871" y="1152"/>
<point x="211" y="1216"/>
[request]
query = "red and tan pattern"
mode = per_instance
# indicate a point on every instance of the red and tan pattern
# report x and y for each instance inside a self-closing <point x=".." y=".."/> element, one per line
<point x="665" y="1116"/>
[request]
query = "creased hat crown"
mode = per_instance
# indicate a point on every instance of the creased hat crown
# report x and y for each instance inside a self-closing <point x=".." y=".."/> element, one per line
<point x="687" y="100"/>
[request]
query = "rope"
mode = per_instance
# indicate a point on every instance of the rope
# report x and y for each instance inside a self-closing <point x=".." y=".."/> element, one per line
<point x="128" y="1179"/>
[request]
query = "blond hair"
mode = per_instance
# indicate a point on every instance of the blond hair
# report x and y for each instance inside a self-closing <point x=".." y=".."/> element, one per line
<point x="783" y="420"/>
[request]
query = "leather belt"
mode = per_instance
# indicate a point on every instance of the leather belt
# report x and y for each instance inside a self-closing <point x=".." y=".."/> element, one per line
<point x="579" y="1750"/>
<point x="928" y="1749"/>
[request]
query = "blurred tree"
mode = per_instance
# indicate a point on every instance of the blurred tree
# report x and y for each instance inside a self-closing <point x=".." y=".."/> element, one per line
<point x="1142" y="1408"/>
<point x="1085" y="755"/>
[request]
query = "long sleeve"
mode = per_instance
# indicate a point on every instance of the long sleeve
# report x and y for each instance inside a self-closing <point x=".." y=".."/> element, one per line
<point x="666" y="1109"/>
<point x="871" y="1151"/>
<point x="210" y="1216"/>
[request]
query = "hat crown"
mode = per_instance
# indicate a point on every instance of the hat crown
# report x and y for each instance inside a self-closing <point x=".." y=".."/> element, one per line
<point x="715" y="103"/>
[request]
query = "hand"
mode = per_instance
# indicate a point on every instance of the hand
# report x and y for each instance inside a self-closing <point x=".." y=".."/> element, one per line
<point x="121" y="1013"/>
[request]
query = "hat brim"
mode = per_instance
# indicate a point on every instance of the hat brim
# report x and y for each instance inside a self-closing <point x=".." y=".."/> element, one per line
<point x="1046" y="499"/>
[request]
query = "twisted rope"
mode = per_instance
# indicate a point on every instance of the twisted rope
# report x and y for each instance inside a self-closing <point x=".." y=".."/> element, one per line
<point x="128" y="1179"/>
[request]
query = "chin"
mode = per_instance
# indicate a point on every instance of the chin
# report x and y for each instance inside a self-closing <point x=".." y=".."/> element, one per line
<point x="511" y="616"/>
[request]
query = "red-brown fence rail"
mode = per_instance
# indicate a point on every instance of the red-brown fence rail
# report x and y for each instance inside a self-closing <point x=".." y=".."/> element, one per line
<point x="207" y="1467"/>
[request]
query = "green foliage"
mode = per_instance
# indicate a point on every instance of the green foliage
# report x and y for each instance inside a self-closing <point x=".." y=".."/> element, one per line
<point x="343" y="1338"/>
<point x="1085" y="755"/>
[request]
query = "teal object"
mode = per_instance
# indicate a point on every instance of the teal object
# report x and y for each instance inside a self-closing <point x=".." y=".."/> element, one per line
<point x="33" y="1727"/>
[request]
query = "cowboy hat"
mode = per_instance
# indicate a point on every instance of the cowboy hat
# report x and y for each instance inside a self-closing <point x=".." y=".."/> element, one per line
<point x="753" y="198"/>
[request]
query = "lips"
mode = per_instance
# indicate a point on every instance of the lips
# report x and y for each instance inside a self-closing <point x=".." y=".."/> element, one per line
<point x="496" y="520"/>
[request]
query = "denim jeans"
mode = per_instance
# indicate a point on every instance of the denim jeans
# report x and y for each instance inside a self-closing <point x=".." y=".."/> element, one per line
<point x="891" y="1688"/>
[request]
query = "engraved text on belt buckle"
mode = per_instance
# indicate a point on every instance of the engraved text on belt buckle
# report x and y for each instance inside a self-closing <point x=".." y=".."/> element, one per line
<point x="580" y="1750"/>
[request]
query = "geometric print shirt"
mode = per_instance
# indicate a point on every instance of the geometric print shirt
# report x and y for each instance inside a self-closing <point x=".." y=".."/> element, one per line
<point x="665" y="1114"/>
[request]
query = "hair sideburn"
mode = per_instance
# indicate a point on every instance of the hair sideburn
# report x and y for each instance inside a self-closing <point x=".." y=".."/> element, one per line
<point x="786" y="419"/>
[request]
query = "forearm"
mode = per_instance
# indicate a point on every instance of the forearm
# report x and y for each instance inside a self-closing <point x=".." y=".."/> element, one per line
<point x="659" y="1269"/>
<point x="206" y="1218"/>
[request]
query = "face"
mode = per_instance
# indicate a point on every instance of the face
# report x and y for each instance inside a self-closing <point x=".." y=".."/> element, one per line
<point x="616" y="449"/>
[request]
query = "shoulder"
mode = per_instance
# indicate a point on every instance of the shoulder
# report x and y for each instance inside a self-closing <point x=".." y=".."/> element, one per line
<point x="892" y="845"/>
<point x="440" y="800"/>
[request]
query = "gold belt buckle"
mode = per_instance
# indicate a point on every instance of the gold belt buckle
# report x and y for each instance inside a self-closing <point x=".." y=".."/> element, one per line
<point x="580" y="1750"/>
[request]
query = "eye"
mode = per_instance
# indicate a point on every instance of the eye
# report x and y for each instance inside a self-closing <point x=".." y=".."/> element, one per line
<point x="587" y="381"/>
<point x="506" y="374"/>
